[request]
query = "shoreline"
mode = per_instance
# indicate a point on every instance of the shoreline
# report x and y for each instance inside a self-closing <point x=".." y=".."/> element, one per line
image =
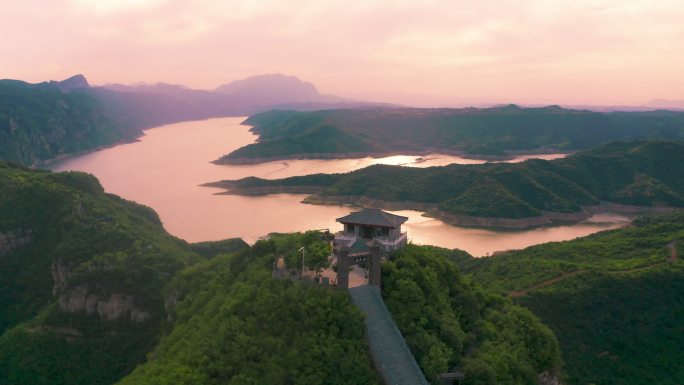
<point x="548" y="218"/>
<point x="384" y="154"/>
<point x="49" y="163"/>
<point x="430" y="210"/>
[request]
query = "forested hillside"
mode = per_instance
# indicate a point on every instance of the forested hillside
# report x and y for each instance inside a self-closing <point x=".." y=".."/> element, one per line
<point x="39" y="122"/>
<point x="82" y="279"/>
<point x="449" y="323"/>
<point x="614" y="299"/>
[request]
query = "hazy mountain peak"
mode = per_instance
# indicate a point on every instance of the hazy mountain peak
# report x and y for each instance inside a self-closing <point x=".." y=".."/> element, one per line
<point x="272" y="87"/>
<point x="73" y="83"/>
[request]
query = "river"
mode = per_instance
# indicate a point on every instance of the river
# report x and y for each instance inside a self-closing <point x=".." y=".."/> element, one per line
<point x="165" y="168"/>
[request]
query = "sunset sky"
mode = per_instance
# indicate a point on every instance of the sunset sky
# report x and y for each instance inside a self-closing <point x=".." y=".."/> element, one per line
<point x="567" y="52"/>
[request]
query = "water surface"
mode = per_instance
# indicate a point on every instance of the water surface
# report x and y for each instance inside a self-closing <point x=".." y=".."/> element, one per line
<point x="165" y="168"/>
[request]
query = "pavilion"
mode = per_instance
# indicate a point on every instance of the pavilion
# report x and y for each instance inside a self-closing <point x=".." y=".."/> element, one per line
<point x="367" y="225"/>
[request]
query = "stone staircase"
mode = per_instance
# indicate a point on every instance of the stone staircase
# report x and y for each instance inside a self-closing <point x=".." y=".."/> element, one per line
<point x="392" y="356"/>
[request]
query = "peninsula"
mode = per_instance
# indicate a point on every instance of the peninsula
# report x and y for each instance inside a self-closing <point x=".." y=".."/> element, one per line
<point x="620" y="176"/>
<point x="484" y="133"/>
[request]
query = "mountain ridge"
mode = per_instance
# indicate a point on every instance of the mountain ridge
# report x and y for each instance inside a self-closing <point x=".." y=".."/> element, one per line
<point x="473" y="132"/>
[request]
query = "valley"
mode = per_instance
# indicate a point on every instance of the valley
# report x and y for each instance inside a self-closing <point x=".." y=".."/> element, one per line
<point x="165" y="169"/>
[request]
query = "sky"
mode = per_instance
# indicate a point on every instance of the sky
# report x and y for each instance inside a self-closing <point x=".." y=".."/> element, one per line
<point x="428" y="52"/>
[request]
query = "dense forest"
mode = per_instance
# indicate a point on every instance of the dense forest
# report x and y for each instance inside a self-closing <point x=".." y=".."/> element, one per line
<point x="614" y="299"/>
<point x="449" y="323"/>
<point x="486" y="131"/>
<point x="643" y="173"/>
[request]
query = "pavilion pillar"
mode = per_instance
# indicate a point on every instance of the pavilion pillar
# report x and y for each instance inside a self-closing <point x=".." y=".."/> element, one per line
<point x="342" y="267"/>
<point x="374" y="269"/>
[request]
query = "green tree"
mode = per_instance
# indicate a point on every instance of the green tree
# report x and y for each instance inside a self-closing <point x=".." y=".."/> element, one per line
<point x="317" y="256"/>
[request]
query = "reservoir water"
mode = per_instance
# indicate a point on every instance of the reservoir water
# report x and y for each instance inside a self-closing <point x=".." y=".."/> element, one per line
<point x="165" y="168"/>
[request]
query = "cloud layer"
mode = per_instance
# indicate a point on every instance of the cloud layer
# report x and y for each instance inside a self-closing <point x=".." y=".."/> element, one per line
<point x="545" y="51"/>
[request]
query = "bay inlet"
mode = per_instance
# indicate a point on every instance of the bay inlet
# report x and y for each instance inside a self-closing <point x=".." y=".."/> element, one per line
<point x="164" y="170"/>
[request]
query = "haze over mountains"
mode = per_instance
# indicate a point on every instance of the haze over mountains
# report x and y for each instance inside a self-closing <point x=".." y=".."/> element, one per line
<point x="255" y="93"/>
<point x="73" y="116"/>
<point x="48" y="120"/>
<point x="667" y="104"/>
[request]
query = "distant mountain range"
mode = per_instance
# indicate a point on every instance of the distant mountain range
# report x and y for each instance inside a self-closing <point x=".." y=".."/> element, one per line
<point x="667" y="104"/>
<point x="243" y="97"/>
<point x="48" y="120"/>
<point x="478" y="132"/>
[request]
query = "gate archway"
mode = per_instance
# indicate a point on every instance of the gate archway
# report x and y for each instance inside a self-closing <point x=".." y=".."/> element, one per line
<point x="345" y="261"/>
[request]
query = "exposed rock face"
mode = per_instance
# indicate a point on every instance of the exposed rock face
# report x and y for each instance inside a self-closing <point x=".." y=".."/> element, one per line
<point x="14" y="239"/>
<point x="60" y="274"/>
<point x="548" y="378"/>
<point x="115" y="306"/>
<point x="170" y="303"/>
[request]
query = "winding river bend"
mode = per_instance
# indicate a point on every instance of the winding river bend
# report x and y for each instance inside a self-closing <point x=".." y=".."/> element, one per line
<point x="165" y="168"/>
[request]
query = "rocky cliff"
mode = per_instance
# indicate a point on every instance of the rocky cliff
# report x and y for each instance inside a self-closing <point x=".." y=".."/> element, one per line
<point x="11" y="240"/>
<point x="113" y="306"/>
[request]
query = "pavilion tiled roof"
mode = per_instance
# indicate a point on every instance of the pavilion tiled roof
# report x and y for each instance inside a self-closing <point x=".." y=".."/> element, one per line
<point x="373" y="217"/>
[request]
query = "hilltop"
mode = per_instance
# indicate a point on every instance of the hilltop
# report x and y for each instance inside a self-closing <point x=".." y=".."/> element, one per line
<point x="629" y="176"/>
<point x="475" y="132"/>
<point x="276" y="89"/>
